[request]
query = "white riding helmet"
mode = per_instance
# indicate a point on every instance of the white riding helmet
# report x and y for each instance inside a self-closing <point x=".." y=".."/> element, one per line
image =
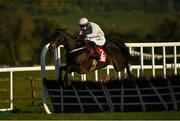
<point x="83" y="21"/>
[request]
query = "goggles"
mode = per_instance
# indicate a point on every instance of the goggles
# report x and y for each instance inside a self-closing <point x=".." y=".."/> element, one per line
<point x="84" y="25"/>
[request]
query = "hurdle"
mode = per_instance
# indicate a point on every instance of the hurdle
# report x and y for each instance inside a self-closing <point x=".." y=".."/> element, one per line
<point x="154" y="94"/>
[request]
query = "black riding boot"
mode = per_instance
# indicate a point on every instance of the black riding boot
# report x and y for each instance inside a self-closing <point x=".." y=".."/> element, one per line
<point x="96" y="56"/>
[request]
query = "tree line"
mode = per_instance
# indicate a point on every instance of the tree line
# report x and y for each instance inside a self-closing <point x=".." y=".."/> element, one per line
<point x="22" y="36"/>
<point x="172" y="6"/>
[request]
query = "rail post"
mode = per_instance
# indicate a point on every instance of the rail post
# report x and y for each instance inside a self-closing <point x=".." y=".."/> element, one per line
<point x="43" y="75"/>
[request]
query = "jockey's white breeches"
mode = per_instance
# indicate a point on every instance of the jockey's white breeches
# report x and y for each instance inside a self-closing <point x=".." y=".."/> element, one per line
<point x="100" y="40"/>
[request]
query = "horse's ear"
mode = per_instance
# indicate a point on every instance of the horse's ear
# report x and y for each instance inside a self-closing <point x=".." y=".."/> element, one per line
<point x="56" y="29"/>
<point x="60" y="29"/>
<point x="63" y="29"/>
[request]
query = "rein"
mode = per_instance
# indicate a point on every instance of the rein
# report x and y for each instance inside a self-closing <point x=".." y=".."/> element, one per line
<point x="77" y="49"/>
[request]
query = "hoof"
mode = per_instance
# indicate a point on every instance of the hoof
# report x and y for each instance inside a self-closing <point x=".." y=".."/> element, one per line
<point x="67" y="82"/>
<point x="131" y="77"/>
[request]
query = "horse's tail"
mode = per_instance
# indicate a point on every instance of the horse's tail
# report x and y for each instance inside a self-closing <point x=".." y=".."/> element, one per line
<point x="125" y="51"/>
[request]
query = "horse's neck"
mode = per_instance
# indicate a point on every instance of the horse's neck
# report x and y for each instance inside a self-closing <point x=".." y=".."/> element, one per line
<point x="70" y="43"/>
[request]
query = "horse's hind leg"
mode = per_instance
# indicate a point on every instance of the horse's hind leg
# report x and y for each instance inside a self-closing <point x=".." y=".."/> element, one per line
<point x="130" y="75"/>
<point x="118" y="68"/>
<point x="128" y="69"/>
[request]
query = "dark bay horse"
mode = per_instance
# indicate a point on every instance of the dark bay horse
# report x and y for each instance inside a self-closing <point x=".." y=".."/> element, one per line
<point x="78" y="53"/>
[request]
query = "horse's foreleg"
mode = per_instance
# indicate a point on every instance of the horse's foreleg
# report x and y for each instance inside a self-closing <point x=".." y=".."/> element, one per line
<point x="61" y="69"/>
<point x="66" y="77"/>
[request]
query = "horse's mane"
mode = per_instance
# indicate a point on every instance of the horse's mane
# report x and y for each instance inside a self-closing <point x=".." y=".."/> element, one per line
<point x="80" y="43"/>
<point x="64" y="31"/>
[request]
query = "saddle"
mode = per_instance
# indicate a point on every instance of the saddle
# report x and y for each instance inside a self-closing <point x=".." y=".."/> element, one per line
<point x="100" y="50"/>
<point x="97" y="53"/>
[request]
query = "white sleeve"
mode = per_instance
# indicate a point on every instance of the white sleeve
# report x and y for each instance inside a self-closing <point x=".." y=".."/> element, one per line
<point x="80" y="33"/>
<point x="94" y="33"/>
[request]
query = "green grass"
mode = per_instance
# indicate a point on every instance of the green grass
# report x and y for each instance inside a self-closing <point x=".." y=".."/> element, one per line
<point x="93" y="116"/>
<point x="25" y="110"/>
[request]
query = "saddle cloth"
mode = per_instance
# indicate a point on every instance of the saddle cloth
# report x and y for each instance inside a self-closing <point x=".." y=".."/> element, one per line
<point x="101" y="52"/>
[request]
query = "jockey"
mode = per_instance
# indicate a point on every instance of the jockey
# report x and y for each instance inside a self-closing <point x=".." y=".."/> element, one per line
<point x="92" y="32"/>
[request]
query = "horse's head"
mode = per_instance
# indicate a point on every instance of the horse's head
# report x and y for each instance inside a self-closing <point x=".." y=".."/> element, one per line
<point x="57" y="38"/>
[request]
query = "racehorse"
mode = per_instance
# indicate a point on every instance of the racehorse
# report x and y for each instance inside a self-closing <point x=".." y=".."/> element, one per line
<point x="78" y="55"/>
